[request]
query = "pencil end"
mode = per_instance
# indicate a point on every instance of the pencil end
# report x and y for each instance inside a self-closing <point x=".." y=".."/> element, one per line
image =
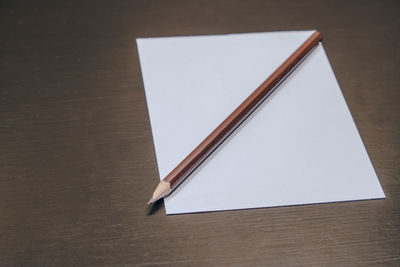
<point x="163" y="189"/>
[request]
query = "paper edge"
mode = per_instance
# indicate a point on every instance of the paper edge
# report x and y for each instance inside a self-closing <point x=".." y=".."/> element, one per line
<point x="141" y="39"/>
<point x="383" y="195"/>
<point x="139" y="43"/>
<point x="276" y="206"/>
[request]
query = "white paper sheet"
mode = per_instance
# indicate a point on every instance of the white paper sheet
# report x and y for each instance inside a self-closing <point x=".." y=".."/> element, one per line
<point x="300" y="146"/>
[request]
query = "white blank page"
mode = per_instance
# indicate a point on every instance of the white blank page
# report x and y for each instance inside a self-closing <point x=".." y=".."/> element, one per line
<point x="300" y="146"/>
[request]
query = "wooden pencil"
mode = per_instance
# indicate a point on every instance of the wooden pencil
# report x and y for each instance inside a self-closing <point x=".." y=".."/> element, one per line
<point x="207" y="146"/>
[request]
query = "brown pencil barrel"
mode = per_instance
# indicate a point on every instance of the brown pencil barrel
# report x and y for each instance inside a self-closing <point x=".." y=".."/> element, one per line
<point x="204" y="149"/>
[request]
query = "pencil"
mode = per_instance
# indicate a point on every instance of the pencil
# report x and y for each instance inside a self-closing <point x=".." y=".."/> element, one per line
<point x="215" y="138"/>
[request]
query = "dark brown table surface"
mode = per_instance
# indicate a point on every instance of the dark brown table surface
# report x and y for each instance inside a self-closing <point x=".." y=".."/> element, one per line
<point x="77" y="161"/>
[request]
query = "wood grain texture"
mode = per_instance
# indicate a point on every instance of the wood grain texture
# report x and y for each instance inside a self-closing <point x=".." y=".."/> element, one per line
<point x="77" y="161"/>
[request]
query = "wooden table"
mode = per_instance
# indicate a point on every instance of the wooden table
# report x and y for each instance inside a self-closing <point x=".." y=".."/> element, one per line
<point x="77" y="162"/>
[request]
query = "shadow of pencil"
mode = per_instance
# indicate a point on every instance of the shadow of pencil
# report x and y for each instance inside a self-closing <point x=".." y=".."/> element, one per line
<point x="155" y="207"/>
